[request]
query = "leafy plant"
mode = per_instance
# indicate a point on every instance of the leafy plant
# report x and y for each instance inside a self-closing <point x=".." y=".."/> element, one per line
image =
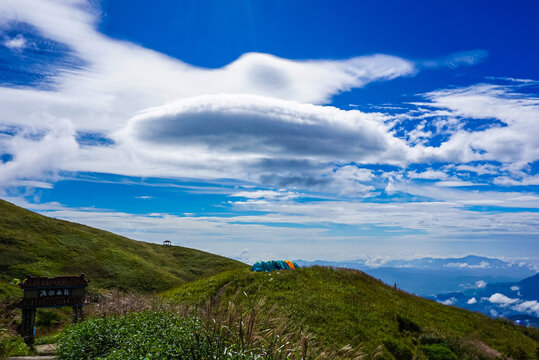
<point x="11" y="345"/>
<point x="150" y="335"/>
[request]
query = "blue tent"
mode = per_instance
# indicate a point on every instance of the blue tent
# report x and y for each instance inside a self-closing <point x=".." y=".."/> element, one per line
<point x="267" y="266"/>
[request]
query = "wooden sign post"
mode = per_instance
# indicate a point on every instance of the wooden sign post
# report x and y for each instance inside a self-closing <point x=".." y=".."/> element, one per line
<point x="40" y="291"/>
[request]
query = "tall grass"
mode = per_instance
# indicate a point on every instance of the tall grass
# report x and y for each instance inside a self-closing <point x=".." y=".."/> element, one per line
<point x="340" y="307"/>
<point x="130" y="326"/>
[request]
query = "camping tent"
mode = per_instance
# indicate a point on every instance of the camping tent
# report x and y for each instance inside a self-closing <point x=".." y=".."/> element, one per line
<point x="267" y="266"/>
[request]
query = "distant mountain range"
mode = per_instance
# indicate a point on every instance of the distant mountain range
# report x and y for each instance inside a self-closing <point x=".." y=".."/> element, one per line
<point x="488" y="285"/>
<point x="518" y="301"/>
<point x="431" y="276"/>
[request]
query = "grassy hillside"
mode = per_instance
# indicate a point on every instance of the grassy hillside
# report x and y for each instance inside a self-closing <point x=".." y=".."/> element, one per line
<point x="38" y="245"/>
<point x="349" y="307"/>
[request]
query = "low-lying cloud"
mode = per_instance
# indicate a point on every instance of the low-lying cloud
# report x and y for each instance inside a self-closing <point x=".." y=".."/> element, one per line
<point x="501" y="299"/>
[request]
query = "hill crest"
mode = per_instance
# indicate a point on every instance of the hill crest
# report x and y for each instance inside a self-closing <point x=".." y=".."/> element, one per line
<point x="35" y="244"/>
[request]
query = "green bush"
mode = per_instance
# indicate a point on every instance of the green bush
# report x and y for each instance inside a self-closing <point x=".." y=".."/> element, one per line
<point x="11" y="345"/>
<point x="438" y="352"/>
<point x="146" y="336"/>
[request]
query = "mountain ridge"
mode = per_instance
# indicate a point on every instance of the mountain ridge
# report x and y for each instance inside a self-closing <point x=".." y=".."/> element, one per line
<point x="345" y="306"/>
<point x="35" y="244"/>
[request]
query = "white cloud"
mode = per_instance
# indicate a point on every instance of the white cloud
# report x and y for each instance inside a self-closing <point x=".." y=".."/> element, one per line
<point x="449" y="301"/>
<point x="481" y="284"/>
<point x="390" y="188"/>
<point x="460" y="197"/>
<point x="355" y="173"/>
<point x="418" y="135"/>
<point x="257" y="127"/>
<point x="479" y="169"/>
<point x="455" y="183"/>
<point x="515" y="288"/>
<point x="290" y="229"/>
<point x="457" y="59"/>
<point x="457" y="265"/>
<point x="300" y="143"/>
<point x="267" y="194"/>
<point x="17" y="43"/>
<point x="427" y="174"/>
<point x="501" y="299"/>
<point x="350" y="180"/>
<point x="435" y="218"/>
<point x="248" y="121"/>
<point x="41" y="153"/>
<point x="254" y="138"/>
<point x="471" y="301"/>
<point x="531" y="307"/>
<point x="513" y="143"/>
<point x="482" y="265"/>
<point x="518" y="180"/>
<point x="120" y="80"/>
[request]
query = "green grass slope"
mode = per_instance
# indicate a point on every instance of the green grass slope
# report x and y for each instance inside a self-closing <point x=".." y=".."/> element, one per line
<point x="342" y="307"/>
<point x="34" y="244"/>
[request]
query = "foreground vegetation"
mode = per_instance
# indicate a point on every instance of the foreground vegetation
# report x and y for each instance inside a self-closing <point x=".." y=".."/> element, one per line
<point x="42" y="246"/>
<point x="38" y="245"/>
<point x="144" y="327"/>
<point x="314" y="313"/>
<point x="340" y="307"/>
<point x="153" y="335"/>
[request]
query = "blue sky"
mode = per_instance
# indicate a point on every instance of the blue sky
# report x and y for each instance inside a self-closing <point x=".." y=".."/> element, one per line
<point x="258" y="130"/>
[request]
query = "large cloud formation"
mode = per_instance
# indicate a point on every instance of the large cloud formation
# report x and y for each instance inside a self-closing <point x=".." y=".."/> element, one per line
<point x="267" y="128"/>
<point x="208" y="119"/>
<point x="264" y="119"/>
<point x="118" y="78"/>
<point x="106" y="82"/>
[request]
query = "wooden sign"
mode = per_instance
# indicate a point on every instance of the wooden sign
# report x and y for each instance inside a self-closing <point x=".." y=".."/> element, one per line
<point x="53" y="292"/>
<point x="42" y="291"/>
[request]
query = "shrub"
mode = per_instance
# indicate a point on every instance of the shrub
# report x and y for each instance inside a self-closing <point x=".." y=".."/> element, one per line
<point x="438" y="352"/>
<point x="11" y="345"/>
<point x="149" y="335"/>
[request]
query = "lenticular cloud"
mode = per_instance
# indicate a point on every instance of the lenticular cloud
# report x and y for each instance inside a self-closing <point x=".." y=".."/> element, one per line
<point x="265" y="127"/>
